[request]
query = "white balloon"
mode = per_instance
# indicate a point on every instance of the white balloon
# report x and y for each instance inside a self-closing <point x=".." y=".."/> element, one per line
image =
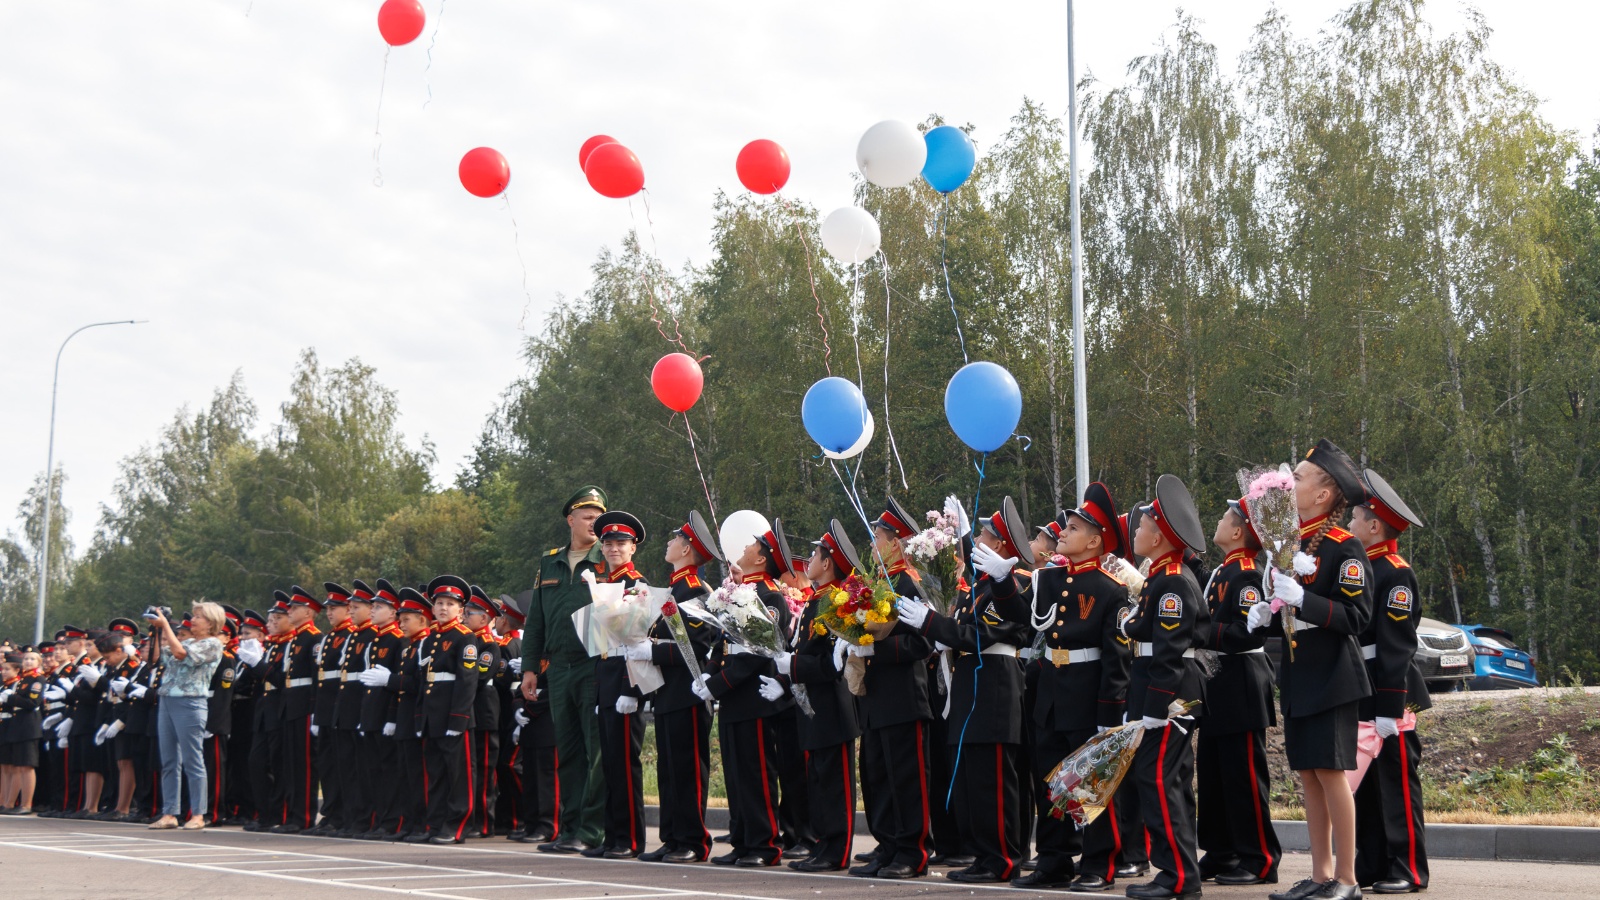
<point x="891" y="154"/>
<point x="854" y="450"/>
<point x="851" y="234"/>
<point x="740" y="531"/>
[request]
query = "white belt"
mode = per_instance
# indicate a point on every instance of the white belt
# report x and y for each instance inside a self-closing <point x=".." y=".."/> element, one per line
<point x="328" y="675"/>
<point x="59" y="704"/>
<point x="1142" y="648"/>
<point x="441" y="676"/>
<point x="1369" y="651"/>
<point x="1243" y="652"/>
<point x="1068" y="657"/>
<point x="996" y="649"/>
<point x="5" y="715"/>
<point x="299" y="682"/>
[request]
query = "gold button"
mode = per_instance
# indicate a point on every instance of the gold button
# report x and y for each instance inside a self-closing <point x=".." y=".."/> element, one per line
<point x="1053" y="634"/>
<point x="1069" y="579"/>
<point x="1063" y="607"/>
<point x="1059" y="622"/>
<point x="1064" y="593"/>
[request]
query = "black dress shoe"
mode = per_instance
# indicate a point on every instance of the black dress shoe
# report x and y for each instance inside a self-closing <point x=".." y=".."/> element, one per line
<point x="1301" y="890"/>
<point x="814" y="865"/>
<point x="798" y="851"/>
<point x="655" y="855"/>
<point x="1132" y="870"/>
<point x="755" y="861"/>
<point x="417" y="837"/>
<point x="722" y="839"/>
<point x="540" y="837"/>
<point x="957" y="862"/>
<point x="618" y="853"/>
<point x="1030" y="865"/>
<point x="867" y="869"/>
<point x="1089" y="884"/>
<point x="973" y="875"/>
<point x="517" y="834"/>
<point x="682" y="856"/>
<point x="594" y="852"/>
<point x="1242" y="876"/>
<point x="285" y="829"/>
<point x="248" y="826"/>
<point x="726" y="859"/>
<point x="1211" y="868"/>
<point x="1395" y="886"/>
<point x="1333" y="890"/>
<point x="565" y="845"/>
<point x="396" y="837"/>
<point x="1152" y="890"/>
<point x="898" y="871"/>
<point x="866" y="857"/>
<point x="1040" y="878"/>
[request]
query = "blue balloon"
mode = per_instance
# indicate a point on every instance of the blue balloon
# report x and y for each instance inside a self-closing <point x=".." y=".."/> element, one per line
<point x="834" y="413"/>
<point x="984" y="405"/>
<point x="951" y="158"/>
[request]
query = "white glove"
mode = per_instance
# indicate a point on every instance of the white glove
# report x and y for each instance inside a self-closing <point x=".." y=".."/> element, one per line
<point x="516" y="665"/>
<point x="115" y="728"/>
<point x="770" y="689"/>
<point x="862" y="651"/>
<point x="1101" y="729"/>
<point x="516" y="733"/>
<point x="639" y="652"/>
<point x="100" y="735"/>
<point x="6" y="694"/>
<point x="64" y="730"/>
<point x="61" y="743"/>
<point x="449" y="732"/>
<point x="54" y="693"/>
<point x="840" y="649"/>
<point x="315" y="729"/>
<point x="388" y="729"/>
<point x="953" y="507"/>
<point x="1387" y="727"/>
<point x="784" y="661"/>
<point x="1287" y="589"/>
<point x="206" y="735"/>
<point x="377" y="676"/>
<point x="119" y="686"/>
<point x="699" y="687"/>
<point x="1151" y="722"/>
<point x="941" y="647"/>
<point x="90" y="674"/>
<point x="991" y="563"/>
<point x="66" y="684"/>
<point x="1260" y="615"/>
<point x="913" y="612"/>
<point x="251" y="651"/>
<point x="627" y="706"/>
<point x="1304" y="563"/>
<point x="50" y="721"/>
<point x="521" y="716"/>
<point x="138" y="691"/>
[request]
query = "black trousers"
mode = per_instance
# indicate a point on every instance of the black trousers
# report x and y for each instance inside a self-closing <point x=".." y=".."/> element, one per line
<point x="1164" y="768"/>
<point x="407" y="807"/>
<point x="752" y="777"/>
<point x="485" y="761"/>
<point x="299" y="773"/>
<point x="794" y="810"/>
<point x="266" y="762"/>
<point x="540" y="808"/>
<point x="335" y="791"/>
<point x="879" y="808"/>
<point x="830" y="786"/>
<point x="1059" y="840"/>
<point x="508" y="785"/>
<point x="368" y="776"/>
<point x="1389" y="831"/>
<point x="987" y="794"/>
<point x="238" y="798"/>
<point x="52" y="789"/>
<point x="215" y="751"/>
<point x="1235" y="821"/>
<point x="448" y="782"/>
<point x="944" y="824"/>
<point x="897" y="767"/>
<point x="621" y="738"/>
<point x="683" y="772"/>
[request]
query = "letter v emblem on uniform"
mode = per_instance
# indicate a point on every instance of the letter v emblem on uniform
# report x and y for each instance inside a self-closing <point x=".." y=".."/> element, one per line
<point x="1085" y="606"/>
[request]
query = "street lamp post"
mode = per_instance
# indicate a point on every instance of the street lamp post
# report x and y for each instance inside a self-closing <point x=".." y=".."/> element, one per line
<point x="50" y="479"/>
<point x="1080" y="402"/>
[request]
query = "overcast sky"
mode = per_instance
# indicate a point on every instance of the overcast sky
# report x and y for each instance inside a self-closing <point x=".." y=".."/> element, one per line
<point x="212" y="171"/>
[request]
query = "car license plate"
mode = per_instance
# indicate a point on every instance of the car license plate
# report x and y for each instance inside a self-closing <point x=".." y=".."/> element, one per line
<point x="1516" y="664"/>
<point x="1451" y="662"/>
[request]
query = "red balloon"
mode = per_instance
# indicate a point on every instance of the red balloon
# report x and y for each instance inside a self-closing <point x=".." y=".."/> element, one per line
<point x="677" y="381"/>
<point x="763" y="166"/>
<point x="400" y="21"/>
<point x="589" y="145"/>
<point x="614" y="171"/>
<point x="484" y="172"/>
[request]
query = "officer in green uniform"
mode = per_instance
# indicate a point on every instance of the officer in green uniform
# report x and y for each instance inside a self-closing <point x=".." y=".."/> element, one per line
<point x="569" y="681"/>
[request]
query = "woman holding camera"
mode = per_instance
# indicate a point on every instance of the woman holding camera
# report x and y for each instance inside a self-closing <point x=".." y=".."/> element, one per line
<point x="181" y="712"/>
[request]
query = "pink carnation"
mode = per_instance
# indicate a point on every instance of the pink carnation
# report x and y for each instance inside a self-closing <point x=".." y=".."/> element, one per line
<point x="1269" y="481"/>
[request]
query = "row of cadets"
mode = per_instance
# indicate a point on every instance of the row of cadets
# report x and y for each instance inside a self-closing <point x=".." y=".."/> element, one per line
<point x="617" y="703"/>
<point x="985" y="632"/>
<point x="1083" y="679"/>
<point x="896" y="718"/>
<point x="339" y="795"/>
<point x="828" y="736"/>
<point x="21" y="701"/>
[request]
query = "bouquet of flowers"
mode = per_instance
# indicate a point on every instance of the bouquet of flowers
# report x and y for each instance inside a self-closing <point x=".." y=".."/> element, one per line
<point x="933" y="552"/>
<point x="1082" y="784"/>
<point x="737" y="609"/>
<point x="673" y="617"/>
<point x="617" y="617"/>
<point x="848" y="607"/>
<point x="1269" y="494"/>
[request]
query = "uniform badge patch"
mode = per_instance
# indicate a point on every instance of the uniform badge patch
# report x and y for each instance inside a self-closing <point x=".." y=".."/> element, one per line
<point x="1249" y="597"/>
<point x="1170" y="606"/>
<point x="469" y="652"/>
<point x="1353" y="573"/>
<point x="1400" y="598"/>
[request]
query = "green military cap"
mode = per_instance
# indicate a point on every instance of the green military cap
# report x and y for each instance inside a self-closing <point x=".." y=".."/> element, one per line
<point x="588" y="495"/>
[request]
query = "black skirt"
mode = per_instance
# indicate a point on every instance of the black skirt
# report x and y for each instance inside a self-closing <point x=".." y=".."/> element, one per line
<point x="20" y="753"/>
<point x="1324" y="740"/>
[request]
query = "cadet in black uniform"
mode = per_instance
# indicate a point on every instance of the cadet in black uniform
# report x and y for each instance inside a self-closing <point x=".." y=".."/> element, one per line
<point x="449" y="663"/>
<point x="266" y="753"/>
<point x="1390" y="853"/>
<point x="508" y="802"/>
<point x="1169" y="621"/>
<point x="895" y="711"/>
<point x="1235" y="817"/>
<point x="408" y="804"/>
<point x="375" y="688"/>
<point x="238" y="799"/>
<point x="352" y="754"/>
<point x="986" y="694"/>
<point x="336" y="791"/>
<point x="21" y="697"/>
<point x="621" y="723"/>
<point x="828" y="736"/>
<point x="485" y="745"/>
<point x="219" y="715"/>
<point x="1321" y="686"/>
<point x="300" y="673"/>
<point x="782" y="727"/>
<point x="683" y="719"/>
<point x="1083" y="680"/>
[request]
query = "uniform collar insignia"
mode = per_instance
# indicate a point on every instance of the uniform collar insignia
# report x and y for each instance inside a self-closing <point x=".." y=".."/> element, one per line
<point x="1385" y="548"/>
<point x="1308" y="528"/>
<point x="687" y="573"/>
<point x="1239" y="556"/>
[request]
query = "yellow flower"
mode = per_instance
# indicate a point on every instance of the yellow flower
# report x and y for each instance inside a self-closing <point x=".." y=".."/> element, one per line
<point x="865" y="640"/>
<point x="876" y="617"/>
<point x="819" y="629"/>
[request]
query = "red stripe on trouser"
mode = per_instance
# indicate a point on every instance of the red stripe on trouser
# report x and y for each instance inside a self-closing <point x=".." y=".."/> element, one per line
<point x="66" y="779"/>
<point x="766" y="789"/>
<point x="1116" y="838"/>
<point x="216" y="783"/>
<point x="555" y="817"/>
<point x="627" y="767"/>
<point x="1255" y="799"/>
<point x="1166" y="815"/>
<point x="516" y="799"/>
<point x="1000" y="806"/>
<point x="310" y="814"/>
<point x="699" y="791"/>
<point x="1405" y="792"/>
<point x="922" y="787"/>
<point x="849" y="804"/>
<point x="466" y="743"/>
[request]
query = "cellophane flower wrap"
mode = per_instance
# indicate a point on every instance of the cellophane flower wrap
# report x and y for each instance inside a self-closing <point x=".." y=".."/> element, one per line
<point x="673" y="617"/>
<point x="619" y="616"/>
<point x="1081" y="786"/>
<point x="741" y="615"/>
<point x="933" y="552"/>
<point x="1269" y="494"/>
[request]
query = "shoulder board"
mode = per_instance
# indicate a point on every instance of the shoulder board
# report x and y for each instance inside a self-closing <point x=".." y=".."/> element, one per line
<point x="460" y="627"/>
<point x="1339" y="534"/>
<point x="552" y="551"/>
<point x="1397" y="561"/>
<point x="1023" y="573"/>
<point x="1172" y="569"/>
<point x="1248" y="564"/>
<point x="693" y="581"/>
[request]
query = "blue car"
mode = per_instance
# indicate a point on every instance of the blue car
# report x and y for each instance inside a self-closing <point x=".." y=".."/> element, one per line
<point x="1500" y="664"/>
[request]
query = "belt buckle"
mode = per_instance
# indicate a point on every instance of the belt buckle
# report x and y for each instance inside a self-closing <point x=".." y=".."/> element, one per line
<point x="1060" y="658"/>
<point x="430" y="678"/>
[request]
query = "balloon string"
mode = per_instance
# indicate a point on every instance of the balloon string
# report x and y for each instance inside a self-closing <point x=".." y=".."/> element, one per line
<point x="944" y="241"/>
<point x="649" y="281"/>
<point x="827" y="351"/>
<point x="854" y="497"/>
<point x="437" y="21"/>
<point x="887" y="298"/>
<point x="377" y="123"/>
<point x="704" y="484"/>
<point x="516" y="240"/>
<point x="977" y="632"/>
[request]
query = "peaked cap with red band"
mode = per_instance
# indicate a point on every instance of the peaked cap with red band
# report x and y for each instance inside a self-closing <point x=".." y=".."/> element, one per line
<point x="895" y="519"/>
<point x="699" y="537"/>
<point x="777" y="544"/>
<point x="411" y="600"/>
<point x="449" y="586"/>
<point x="480" y="601"/>
<point x="617" y="525"/>
<point x="839" y="549"/>
<point x="337" y="595"/>
<point x="1174" y="512"/>
<point x="362" y="593"/>
<point x="1099" y="510"/>
<point x="299" y="596"/>
<point x="1007" y="525"/>
<point x="1387" y="505"/>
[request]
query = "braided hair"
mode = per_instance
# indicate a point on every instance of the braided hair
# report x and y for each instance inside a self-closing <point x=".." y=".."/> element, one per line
<point x="1335" y="514"/>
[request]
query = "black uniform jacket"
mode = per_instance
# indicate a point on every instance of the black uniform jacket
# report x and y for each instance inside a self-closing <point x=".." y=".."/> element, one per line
<point x="20" y="715"/>
<point x="269" y="709"/>
<point x="736" y="682"/>
<point x="611" y="669"/>
<point x="388" y="649"/>
<point x="352" y="693"/>
<point x="219" y="704"/>
<point x="986" y="688"/>
<point x="491" y="665"/>
<point x="407" y="681"/>
<point x="812" y="667"/>
<point x="1172" y="619"/>
<point x="300" y="673"/>
<point x="676" y="693"/>
<point x="449" y="680"/>
<point x="1239" y="696"/>
<point x="897" y="671"/>
<point x="1327" y="670"/>
<point x="1397" y="683"/>
<point x="1083" y="602"/>
<point x="330" y="665"/>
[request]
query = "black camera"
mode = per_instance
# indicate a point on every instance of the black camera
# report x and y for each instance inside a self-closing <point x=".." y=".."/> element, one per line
<point x="150" y="612"/>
